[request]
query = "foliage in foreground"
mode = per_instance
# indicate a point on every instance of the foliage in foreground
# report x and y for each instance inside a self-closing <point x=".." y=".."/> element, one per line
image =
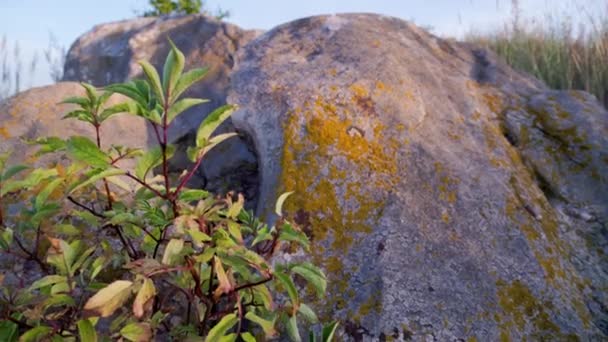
<point x="556" y="52"/>
<point x="131" y="254"/>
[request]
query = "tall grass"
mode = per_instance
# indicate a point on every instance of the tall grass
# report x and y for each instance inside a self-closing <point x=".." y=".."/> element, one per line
<point x="555" y="50"/>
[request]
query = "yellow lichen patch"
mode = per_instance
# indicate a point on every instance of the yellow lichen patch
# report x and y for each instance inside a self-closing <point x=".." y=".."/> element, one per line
<point x="4" y="132"/>
<point x="340" y="179"/>
<point x="359" y="90"/>
<point x="445" y="217"/>
<point x="521" y="308"/>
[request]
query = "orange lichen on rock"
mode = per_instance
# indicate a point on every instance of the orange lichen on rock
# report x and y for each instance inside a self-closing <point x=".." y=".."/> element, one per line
<point x="340" y="179"/>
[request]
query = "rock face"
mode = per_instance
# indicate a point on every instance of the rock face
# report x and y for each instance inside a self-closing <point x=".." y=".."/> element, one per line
<point x="447" y="196"/>
<point x="37" y="113"/>
<point x="110" y="53"/>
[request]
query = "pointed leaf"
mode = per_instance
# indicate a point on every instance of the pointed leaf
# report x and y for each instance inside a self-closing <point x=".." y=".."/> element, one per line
<point x="98" y="175"/>
<point x="212" y="122"/>
<point x="308" y="313"/>
<point x="153" y="79"/>
<point x="221" y="328"/>
<point x="266" y="325"/>
<point x="279" y="206"/>
<point x="188" y="79"/>
<point x="44" y="194"/>
<point x="36" y="334"/>
<point x="174" y="247"/>
<point x="288" y="284"/>
<point x="292" y="329"/>
<point x="46" y="281"/>
<point x="129" y="90"/>
<point x="329" y="331"/>
<point x="9" y="331"/>
<point x="116" y="109"/>
<point x="11" y="171"/>
<point x="137" y="332"/>
<point x="247" y="337"/>
<point x="84" y="150"/>
<point x="181" y="106"/>
<point x="150" y="160"/>
<point x="86" y="331"/>
<point x="225" y="285"/>
<point x="82" y="115"/>
<point x="144" y="297"/>
<point x="91" y="93"/>
<point x="174" y="66"/>
<point x="313" y="275"/>
<point x="110" y="298"/>
<point x="77" y="100"/>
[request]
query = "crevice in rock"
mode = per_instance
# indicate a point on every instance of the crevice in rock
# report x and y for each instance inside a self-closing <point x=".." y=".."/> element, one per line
<point x="230" y="167"/>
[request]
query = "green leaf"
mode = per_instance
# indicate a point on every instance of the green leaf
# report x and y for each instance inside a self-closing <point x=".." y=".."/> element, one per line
<point x="48" y="280"/>
<point x="308" y="313"/>
<point x="174" y="247"/>
<point x="153" y="79"/>
<point x="181" y="106"/>
<point x="44" y="194"/>
<point x="110" y="298"/>
<point x="96" y="175"/>
<point x="77" y="100"/>
<point x="289" y="233"/>
<point x="82" y="115"/>
<point x="174" y="66"/>
<point x="228" y="338"/>
<point x="198" y="237"/>
<point x="313" y="275"/>
<point x="191" y="195"/>
<point x="116" y="109"/>
<point x="247" y="337"/>
<point x="86" y="331"/>
<point x="137" y="332"/>
<point x="150" y="160"/>
<point x="266" y="325"/>
<point x="11" y="171"/>
<point x="91" y="93"/>
<point x="279" y="206"/>
<point x="49" y="145"/>
<point x="36" y="334"/>
<point x="329" y="331"/>
<point x="6" y="238"/>
<point x="32" y="179"/>
<point x="188" y="79"/>
<point x="288" y="284"/>
<point x="8" y="331"/>
<point x="131" y="91"/>
<point x="221" y="328"/>
<point x="292" y="329"/>
<point x="212" y="122"/>
<point x="84" y="150"/>
<point x="59" y="297"/>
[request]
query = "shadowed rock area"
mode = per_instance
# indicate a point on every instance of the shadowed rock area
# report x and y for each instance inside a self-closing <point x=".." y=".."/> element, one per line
<point x="448" y="197"/>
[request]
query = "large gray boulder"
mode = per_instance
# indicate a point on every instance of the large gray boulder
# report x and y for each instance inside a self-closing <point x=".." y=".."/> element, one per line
<point x="38" y="113"/>
<point x="110" y="53"/>
<point x="447" y="196"/>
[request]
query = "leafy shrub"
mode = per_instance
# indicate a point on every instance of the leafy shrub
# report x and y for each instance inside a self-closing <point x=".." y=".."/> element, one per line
<point x="161" y="7"/>
<point x="136" y="255"/>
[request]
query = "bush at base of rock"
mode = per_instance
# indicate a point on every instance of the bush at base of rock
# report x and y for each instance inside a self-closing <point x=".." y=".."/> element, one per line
<point x="91" y="250"/>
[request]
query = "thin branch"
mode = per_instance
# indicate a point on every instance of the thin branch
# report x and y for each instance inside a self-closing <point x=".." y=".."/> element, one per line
<point x="156" y="192"/>
<point x="90" y="210"/>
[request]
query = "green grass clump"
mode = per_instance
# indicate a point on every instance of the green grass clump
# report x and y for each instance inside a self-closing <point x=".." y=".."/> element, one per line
<point x="556" y="50"/>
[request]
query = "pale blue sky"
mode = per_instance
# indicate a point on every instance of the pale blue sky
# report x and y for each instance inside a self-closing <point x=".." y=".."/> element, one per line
<point x="31" y="21"/>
